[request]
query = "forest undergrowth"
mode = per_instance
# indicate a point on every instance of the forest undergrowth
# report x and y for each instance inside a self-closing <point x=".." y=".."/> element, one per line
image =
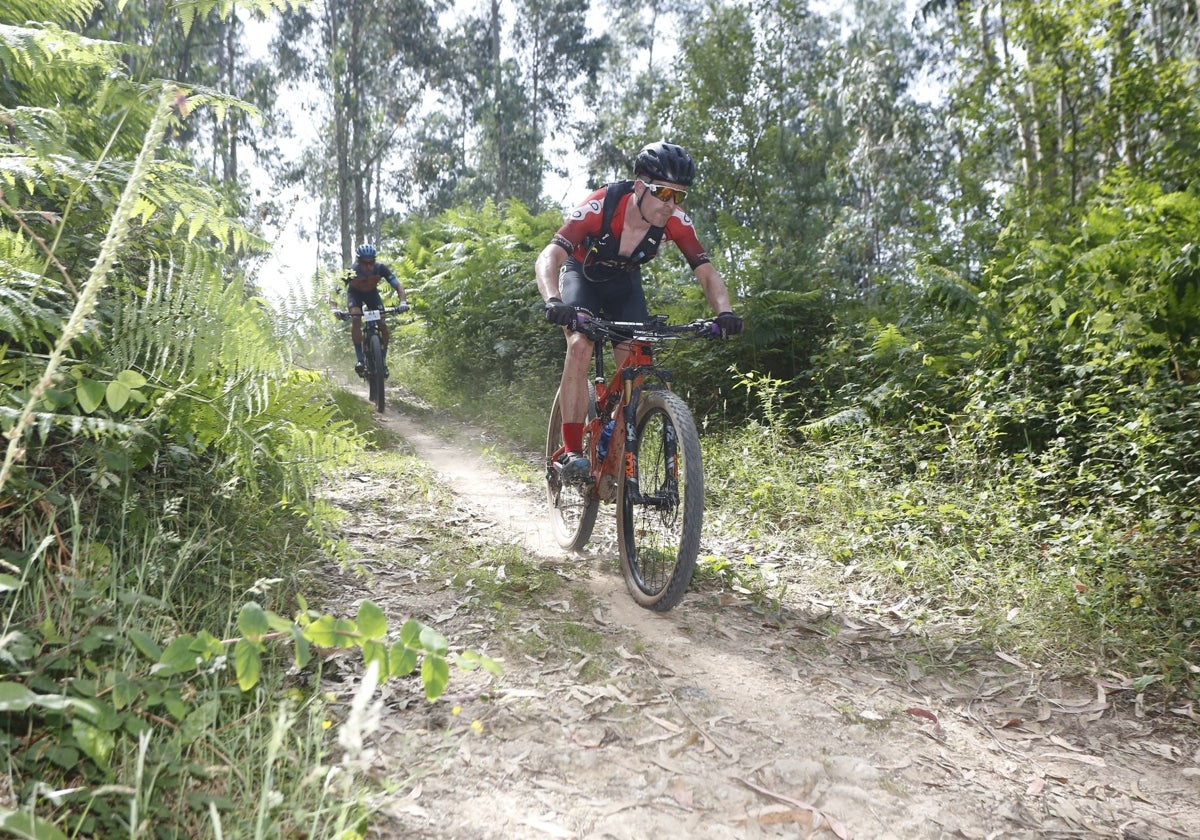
<point x="957" y="538"/>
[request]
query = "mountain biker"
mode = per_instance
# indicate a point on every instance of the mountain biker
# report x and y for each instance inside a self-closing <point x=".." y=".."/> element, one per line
<point x="594" y="262"/>
<point x="362" y="287"/>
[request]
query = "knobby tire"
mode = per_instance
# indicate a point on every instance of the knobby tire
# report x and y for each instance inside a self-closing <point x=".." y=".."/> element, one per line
<point x="659" y="537"/>
<point x="572" y="507"/>
<point x="375" y="370"/>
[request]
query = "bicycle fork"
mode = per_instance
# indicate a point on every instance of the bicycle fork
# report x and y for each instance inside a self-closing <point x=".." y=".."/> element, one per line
<point x="665" y="497"/>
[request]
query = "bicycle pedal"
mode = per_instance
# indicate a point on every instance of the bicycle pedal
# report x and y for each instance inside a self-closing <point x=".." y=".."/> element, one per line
<point x="570" y="480"/>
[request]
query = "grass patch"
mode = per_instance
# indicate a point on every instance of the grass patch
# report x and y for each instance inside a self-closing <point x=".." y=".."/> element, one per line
<point x="928" y="527"/>
<point x="515" y="411"/>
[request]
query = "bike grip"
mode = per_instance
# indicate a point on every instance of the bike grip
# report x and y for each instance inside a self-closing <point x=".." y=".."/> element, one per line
<point x="714" y="331"/>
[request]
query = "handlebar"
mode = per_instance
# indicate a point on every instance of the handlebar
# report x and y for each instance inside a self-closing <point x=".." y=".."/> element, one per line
<point x="390" y="310"/>
<point x="656" y="327"/>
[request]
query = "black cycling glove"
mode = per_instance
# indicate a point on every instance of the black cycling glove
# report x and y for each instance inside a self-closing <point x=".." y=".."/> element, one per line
<point x="730" y="324"/>
<point x="560" y="313"/>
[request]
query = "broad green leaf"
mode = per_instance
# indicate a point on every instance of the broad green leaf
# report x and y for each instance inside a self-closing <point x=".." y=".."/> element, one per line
<point x="124" y="691"/>
<point x="469" y="660"/>
<point x="93" y="740"/>
<point x="401" y="660"/>
<point x="90" y="394"/>
<point x="321" y="632"/>
<point x="200" y="720"/>
<point x="207" y="646"/>
<point x="374" y="651"/>
<point x="49" y="632"/>
<point x="175" y="704"/>
<point x="131" y="378"/>
<point x="15" y="697"/>
<point x="433" y="641"/>
<point x="8" y="583"/>
<point x="116" y="395"/>
<point x="146" y="644"/>
<point x="252" y="621"/>
<point x="410" y="632"/>
<point x="178" y="658"/>
<point x="247" y="663"/>
<point x="27" y="826"/>
<point x="435" y="673"/>
<point x="303" y="651"/>
<point x="372" y="623"/>
<point x="345" y="633"/>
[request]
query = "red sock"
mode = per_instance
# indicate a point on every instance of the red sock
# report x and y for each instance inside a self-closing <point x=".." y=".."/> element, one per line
<point x="573" y="436"/>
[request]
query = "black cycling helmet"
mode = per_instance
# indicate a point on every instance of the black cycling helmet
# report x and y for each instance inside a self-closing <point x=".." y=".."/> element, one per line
<point x="366" y="251"/>
<point x="666" y="162"/>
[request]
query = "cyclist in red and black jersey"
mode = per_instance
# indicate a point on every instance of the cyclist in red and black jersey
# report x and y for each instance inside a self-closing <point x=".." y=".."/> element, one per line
<point x="595" y="260"/>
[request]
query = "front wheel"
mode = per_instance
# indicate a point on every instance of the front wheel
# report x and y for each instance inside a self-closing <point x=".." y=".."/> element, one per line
<point x="573" y="507"/>
<point x="374" y="353"/>
<point x="660" y="510"/>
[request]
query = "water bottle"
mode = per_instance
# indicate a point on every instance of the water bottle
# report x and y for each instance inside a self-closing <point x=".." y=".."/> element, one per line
<point x="605" y="437"/>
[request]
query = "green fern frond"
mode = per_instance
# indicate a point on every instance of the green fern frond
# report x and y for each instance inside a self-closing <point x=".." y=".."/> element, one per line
<point x="844" y="420"/>
<point x="26" y="51"/>
<point x="199" y="96"/>
<point x="951" y="292"/>
<point x="32" y="306"/>
<point x="75" y="425"/>
<point x="58" y="11"/>
<point x="37" y="128"/>
<point x="890" y="342"/>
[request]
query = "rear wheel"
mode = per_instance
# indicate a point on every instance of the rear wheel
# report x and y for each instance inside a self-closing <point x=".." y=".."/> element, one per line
<point x="660" y="510"/>
<point x="374" y="353"/>
<point x="573" y="507"/>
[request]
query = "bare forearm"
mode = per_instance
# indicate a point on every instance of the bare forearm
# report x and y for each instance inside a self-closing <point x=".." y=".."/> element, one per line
<point x="714" y="288"/>
<point x="546" y="271"/>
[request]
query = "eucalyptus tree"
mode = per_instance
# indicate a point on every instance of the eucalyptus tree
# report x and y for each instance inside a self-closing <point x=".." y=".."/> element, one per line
<point x="205" y="48"/>
<point x="639" y="65"/>
<point x="1051" y="99"/>
<point x="753" y="104"/>
<point x="560" y="60"/>
<point x="370" y="63"/>
<point x="516" y="75"/>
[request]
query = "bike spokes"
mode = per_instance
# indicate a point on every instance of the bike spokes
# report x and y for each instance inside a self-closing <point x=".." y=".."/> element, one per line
<point x="661" y="508"/>
<point x="573" y="508"/>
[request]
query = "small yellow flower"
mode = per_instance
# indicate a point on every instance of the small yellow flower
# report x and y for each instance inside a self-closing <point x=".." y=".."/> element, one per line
<point x="325" y="724"/>
<point x="477" y="727"/>
<point x="457" y="710"/>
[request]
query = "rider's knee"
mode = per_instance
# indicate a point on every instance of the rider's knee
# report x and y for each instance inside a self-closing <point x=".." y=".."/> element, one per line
<point x="579" y="346"/>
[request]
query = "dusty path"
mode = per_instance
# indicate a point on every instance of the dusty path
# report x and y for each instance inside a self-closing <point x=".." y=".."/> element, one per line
<point x="717" y="720"/>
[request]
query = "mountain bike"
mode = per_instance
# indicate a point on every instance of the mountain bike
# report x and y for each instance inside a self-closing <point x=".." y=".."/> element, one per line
<point x="644" y="453"/>
<point x="374" y="369"/>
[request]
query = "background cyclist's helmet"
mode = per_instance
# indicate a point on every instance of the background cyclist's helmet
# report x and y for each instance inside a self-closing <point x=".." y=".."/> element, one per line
<point x="664" y="161"/>
<point x="366" y="251"/>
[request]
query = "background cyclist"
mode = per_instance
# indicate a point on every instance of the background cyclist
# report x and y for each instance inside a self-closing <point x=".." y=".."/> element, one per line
<point x="594" y="262"/>
<point x="362" y="288"/>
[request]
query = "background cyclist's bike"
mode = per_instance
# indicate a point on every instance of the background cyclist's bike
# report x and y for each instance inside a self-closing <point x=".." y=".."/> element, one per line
<point x="375" y="372"/>
<point x="641" y="442"/>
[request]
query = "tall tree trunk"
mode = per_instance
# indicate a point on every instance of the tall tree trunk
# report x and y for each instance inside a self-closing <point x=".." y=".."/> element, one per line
<point x="502" y="176"/>
<point x="232" y="116"/>
<point x="341" y="134"/>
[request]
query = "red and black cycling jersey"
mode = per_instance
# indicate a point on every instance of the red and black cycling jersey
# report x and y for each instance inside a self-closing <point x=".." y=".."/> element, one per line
<point x="592" y="235"/>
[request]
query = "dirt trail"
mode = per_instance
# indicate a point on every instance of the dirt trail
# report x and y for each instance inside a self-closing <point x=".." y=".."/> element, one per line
<point x="718" y="721"/>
